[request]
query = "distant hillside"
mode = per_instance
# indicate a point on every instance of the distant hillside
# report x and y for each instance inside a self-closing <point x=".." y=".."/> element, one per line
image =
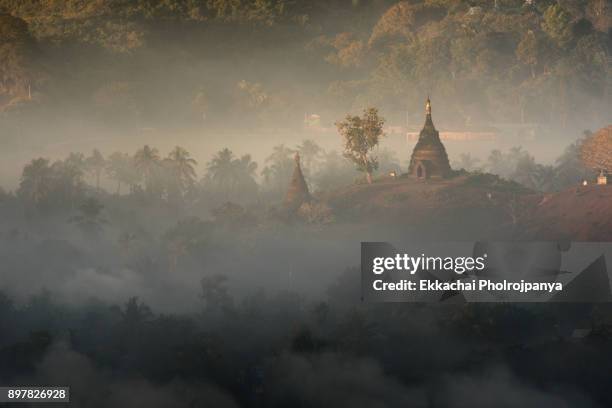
<point x="582" y="213"/>
<point x="194" y="62"/>
<point x="477" y="207"/>
<point x="465" y="206"/>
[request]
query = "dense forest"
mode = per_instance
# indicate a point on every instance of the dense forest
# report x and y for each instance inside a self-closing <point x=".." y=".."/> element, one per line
<point x="148" y="258"/>
<point x="266" y="62"/>
<point x="48" y="188"/>
<point x="177" y="290"/>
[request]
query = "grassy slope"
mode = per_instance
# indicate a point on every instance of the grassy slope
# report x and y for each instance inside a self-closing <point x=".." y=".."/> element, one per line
<point x="461" y="208"/>
<point x="581" y="213"/>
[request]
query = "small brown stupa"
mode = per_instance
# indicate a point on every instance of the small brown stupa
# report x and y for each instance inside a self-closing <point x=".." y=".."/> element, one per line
<point x="429" y="158"/>
<point x="297" y="194"/>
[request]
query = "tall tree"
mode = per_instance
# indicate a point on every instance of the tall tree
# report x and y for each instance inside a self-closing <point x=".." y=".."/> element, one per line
<point x="220" y="170"/>
<point x="280" y="164"/>
<point x="246" y="166"/>
<point x="361" y="135"/>
<point x="96" y="164"/>
<point x="182" y="168"/>
<point x="68" y="176"/>
<point x="147" y="161"/>
<point x="557" y="24"/>
<point x="121" y="168"/>
<point x="245" y="170"/>
<point x="235" y="177"/>
<point x="36" y="180"/>
<point x="596" y="150"/>
<point x="569" y="168"/>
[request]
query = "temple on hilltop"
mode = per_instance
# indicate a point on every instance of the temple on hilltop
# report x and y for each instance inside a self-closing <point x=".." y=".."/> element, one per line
<point x="297" y="194"/>
<point x="429" y="158"/>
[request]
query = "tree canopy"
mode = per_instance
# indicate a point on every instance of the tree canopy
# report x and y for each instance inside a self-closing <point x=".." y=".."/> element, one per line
<point x="360" y="136"/>
<point x="486" y="61"/>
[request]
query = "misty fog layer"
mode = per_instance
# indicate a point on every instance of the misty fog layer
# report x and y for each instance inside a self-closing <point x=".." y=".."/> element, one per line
<point x="153" y="252"/>
<point x="248" y="75"/>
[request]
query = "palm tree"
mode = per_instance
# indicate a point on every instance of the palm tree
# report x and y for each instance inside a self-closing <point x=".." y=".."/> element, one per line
<point x="233" y="176"/>
<point x="96" y="164"/>
<point x="182" y="166"/>
<point x="146" y="161"/>
<point x="220" y="169"/>
<point x="266" y="173"/>
<point x="120" y="168"/>
<point x="245" y="168"/>
<point x="244" y="171"/>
